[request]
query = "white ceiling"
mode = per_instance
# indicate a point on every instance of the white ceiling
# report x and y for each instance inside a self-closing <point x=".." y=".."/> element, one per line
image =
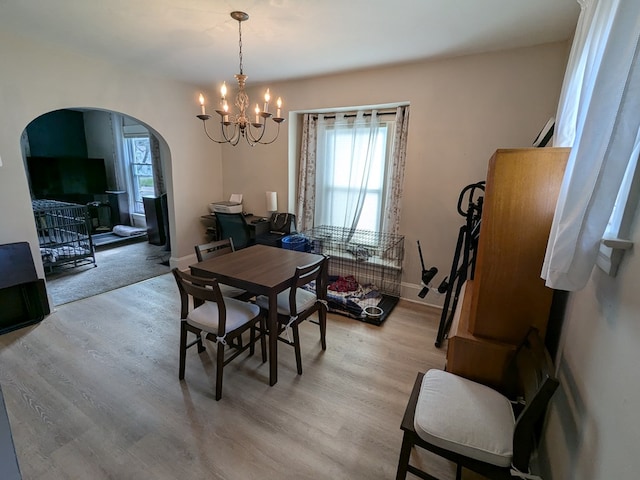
<point x="197" y="40"/>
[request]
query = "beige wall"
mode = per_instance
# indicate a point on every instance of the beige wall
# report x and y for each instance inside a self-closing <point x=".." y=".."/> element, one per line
<point x="462" y="110"/>
<point x="593" y="427"/>
<point x="37" y="79"/>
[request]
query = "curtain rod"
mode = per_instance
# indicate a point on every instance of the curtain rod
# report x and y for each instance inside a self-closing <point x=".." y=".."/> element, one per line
<point x="349" y="115"/>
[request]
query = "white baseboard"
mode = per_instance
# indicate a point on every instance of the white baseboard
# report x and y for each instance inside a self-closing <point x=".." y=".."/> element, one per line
<point x="410" y="291"/>
<point x="183" y="263"/>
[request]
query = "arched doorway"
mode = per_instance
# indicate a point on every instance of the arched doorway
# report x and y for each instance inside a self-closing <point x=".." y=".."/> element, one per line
<point x="107" y="168"/>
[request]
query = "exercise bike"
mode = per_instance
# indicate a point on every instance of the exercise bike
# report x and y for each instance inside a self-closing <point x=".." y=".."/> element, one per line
<point x="464" y="258"/>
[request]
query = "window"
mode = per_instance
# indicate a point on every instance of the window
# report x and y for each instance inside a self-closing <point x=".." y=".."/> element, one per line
<point x="137" y="153"/>
<point x="352" y="159"/>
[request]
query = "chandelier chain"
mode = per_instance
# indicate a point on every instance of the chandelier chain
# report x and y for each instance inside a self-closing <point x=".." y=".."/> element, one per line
<point x="240" y="44"/>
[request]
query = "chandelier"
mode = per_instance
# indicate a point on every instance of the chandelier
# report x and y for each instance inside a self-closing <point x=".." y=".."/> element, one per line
<point x="233" y="126"/>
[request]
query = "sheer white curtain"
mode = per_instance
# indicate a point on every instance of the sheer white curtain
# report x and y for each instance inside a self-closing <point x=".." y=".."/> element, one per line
<point x="350" y="171"/>
<point x="599" y="117"/>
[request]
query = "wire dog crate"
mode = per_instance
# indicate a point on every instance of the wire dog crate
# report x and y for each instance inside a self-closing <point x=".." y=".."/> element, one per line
<point x="371" y="258"/>
<point x="63" y="233"/>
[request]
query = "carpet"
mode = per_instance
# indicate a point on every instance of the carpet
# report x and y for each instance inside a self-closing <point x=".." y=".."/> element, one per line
<point x="116" y="267"/>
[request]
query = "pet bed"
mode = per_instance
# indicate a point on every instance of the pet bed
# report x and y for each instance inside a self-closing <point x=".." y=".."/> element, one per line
<point x="128" y="231"/>
<point x="345" y="296"/>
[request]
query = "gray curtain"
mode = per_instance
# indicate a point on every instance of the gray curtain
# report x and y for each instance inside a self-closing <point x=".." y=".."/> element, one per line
<point x="306" y="198"/>
<point x="156" y="162"/>
<point x="391" y="219"/>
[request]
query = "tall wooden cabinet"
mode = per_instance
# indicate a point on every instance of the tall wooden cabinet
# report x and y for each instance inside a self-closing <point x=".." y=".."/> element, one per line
<point x="507" y="295"/>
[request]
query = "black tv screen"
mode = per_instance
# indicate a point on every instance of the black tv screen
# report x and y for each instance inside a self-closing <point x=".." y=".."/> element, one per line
<point x="54" y="176"/>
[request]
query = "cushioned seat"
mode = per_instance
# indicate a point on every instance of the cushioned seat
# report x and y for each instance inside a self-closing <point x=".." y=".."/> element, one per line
<point x="474" y="420"/>
<point x="304" y="300"/>
<point x="475" y="427"/>
<point x="206" y="316"/>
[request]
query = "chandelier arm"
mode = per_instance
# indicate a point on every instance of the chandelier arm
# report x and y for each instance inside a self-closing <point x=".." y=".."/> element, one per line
<point x="249" y="142"/>
<point x="204" y="123"/>
<point x="251" y="134"/>
<point x="233" y="139"/>
<point x="270" y="141"/>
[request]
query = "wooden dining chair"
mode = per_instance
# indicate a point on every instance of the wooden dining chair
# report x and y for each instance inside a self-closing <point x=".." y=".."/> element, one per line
<point x="219" y="319"/>
<point x="215" y="249"/>
<point x="296" y="304"/>
<point x="477" y="427"/>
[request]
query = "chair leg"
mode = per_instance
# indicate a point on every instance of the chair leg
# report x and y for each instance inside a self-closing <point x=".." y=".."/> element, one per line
<point x="201" y="347"/>
<point x="183" y="349"/>
<point x="296" y="346"/>
<point x="263" y="339"/>
<point x="252" y="340"/>
<point x="405" y="454"/>
<point x="219" y="368"/>
<point x="322" y="320"/>
<point x="458" y="471"/>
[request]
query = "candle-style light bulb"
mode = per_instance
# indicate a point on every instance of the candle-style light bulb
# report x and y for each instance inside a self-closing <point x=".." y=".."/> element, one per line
<point x="279" y="103"/>
<point x="225" y="107"/>
<point x="257" y="113"/>
<point x="267" y="97"/>
<point x="201" y="99"/>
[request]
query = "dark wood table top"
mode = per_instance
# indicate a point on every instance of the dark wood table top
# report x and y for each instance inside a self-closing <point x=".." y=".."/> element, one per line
<point x="260" y="269"/>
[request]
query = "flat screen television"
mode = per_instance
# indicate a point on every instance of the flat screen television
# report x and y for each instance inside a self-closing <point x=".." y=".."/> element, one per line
<point x="52" y="177"/>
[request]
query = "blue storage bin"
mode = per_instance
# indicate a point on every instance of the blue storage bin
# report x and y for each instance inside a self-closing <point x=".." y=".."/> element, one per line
<point x="296" y="242"/>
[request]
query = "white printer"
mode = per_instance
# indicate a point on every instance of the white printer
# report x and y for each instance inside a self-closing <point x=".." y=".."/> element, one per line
<point x="225" y="207"/>
<point x="234" y="205"/>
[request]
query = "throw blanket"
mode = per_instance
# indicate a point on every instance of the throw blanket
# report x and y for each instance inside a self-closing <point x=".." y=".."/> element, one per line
<point x="52" y="255"/>
<point x="348" y="297"/>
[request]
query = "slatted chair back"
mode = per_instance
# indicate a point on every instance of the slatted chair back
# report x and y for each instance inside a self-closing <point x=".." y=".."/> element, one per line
<point x="200" y="290"/>
<point x="303" y="276"/>
<point x="536" y="383"/>
<point x="214" y="249"/>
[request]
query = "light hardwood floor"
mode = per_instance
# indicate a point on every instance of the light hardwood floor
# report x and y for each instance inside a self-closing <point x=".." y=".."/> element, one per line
<point x="92" y="392"/>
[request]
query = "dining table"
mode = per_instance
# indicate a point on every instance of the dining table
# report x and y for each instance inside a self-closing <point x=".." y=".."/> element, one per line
<point x="260" y="270"/>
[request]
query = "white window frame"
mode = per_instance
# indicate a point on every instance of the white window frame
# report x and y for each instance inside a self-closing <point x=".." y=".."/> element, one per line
<point x="129" y="132"/>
